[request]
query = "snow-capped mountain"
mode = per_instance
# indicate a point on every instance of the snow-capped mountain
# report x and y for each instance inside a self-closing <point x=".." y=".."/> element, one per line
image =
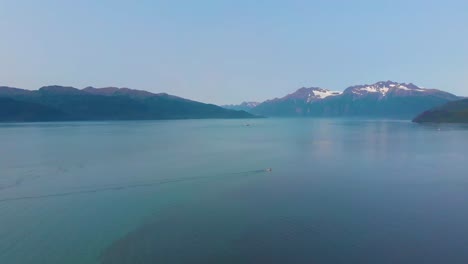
<point x="388" y="89"/>
<point x="294" y="103"/>
<point x="244" y="106"/>
<point x="318" y="93"/>
<point x="382" y="99"/>
<point x="308" y="94"/>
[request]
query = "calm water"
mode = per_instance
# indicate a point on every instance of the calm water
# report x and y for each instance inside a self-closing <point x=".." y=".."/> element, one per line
<point x="341" y="191"/>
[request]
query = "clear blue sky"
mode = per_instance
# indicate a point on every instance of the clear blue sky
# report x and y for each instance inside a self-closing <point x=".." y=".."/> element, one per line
<point x="231" y="51"/>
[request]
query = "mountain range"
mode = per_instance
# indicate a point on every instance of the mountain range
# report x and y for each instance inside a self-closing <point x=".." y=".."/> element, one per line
<point x="61" y="103"/>
<point x="244" y="106"/>
<point x="380" y="100"/>
<point x="386" y="99"/>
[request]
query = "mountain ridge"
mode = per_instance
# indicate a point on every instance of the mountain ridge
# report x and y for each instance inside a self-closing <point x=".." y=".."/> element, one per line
<point x="244" y="106"/>
<point x="65" y="103"/>
<point x="386" y="99"/>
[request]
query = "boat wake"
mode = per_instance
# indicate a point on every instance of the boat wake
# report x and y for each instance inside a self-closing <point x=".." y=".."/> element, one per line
<point x="121" y="187"/>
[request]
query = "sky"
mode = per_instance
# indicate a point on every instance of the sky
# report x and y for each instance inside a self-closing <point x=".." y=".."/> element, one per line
<point x="227" y="52"/>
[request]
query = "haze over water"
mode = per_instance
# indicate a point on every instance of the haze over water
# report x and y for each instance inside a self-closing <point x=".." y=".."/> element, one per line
<point x="196" y="191"/>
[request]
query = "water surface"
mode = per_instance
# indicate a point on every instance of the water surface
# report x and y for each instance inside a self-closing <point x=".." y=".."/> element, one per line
<point x="341" y="191"/>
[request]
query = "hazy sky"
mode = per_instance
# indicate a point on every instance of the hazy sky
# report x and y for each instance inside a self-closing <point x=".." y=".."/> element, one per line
<point x="231" y="51"/>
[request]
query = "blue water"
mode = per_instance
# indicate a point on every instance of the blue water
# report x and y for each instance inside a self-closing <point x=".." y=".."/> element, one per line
<point x="196" y="191"/>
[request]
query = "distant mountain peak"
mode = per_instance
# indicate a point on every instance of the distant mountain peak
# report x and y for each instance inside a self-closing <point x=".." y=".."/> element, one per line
<point x="244" y="106"/>
<point x="384" y="88"/>
<point x="59" y="89"/>
<point x="309" y="94"/>
<point x="250" y="104"/>
<point x="102" y="91"/>
<point x="109" y="91"/>
<point x="6" y="90"/>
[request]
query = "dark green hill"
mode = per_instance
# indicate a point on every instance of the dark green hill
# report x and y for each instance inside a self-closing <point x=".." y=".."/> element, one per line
<point x="452" y="112"/>
<point x="17" y="111"/>
<point x="67" y="103"/>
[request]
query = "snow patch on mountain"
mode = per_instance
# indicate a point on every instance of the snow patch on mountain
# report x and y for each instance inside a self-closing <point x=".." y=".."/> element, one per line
<point x="318" y="93"/>
<point x="245" y="106"/>
<point x="250" y="104"/>
<point x="403" y="87"/>
<point x="384" y="88"/>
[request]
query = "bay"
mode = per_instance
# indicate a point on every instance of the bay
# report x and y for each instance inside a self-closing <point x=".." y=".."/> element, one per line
<point x="199" y="191"/>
